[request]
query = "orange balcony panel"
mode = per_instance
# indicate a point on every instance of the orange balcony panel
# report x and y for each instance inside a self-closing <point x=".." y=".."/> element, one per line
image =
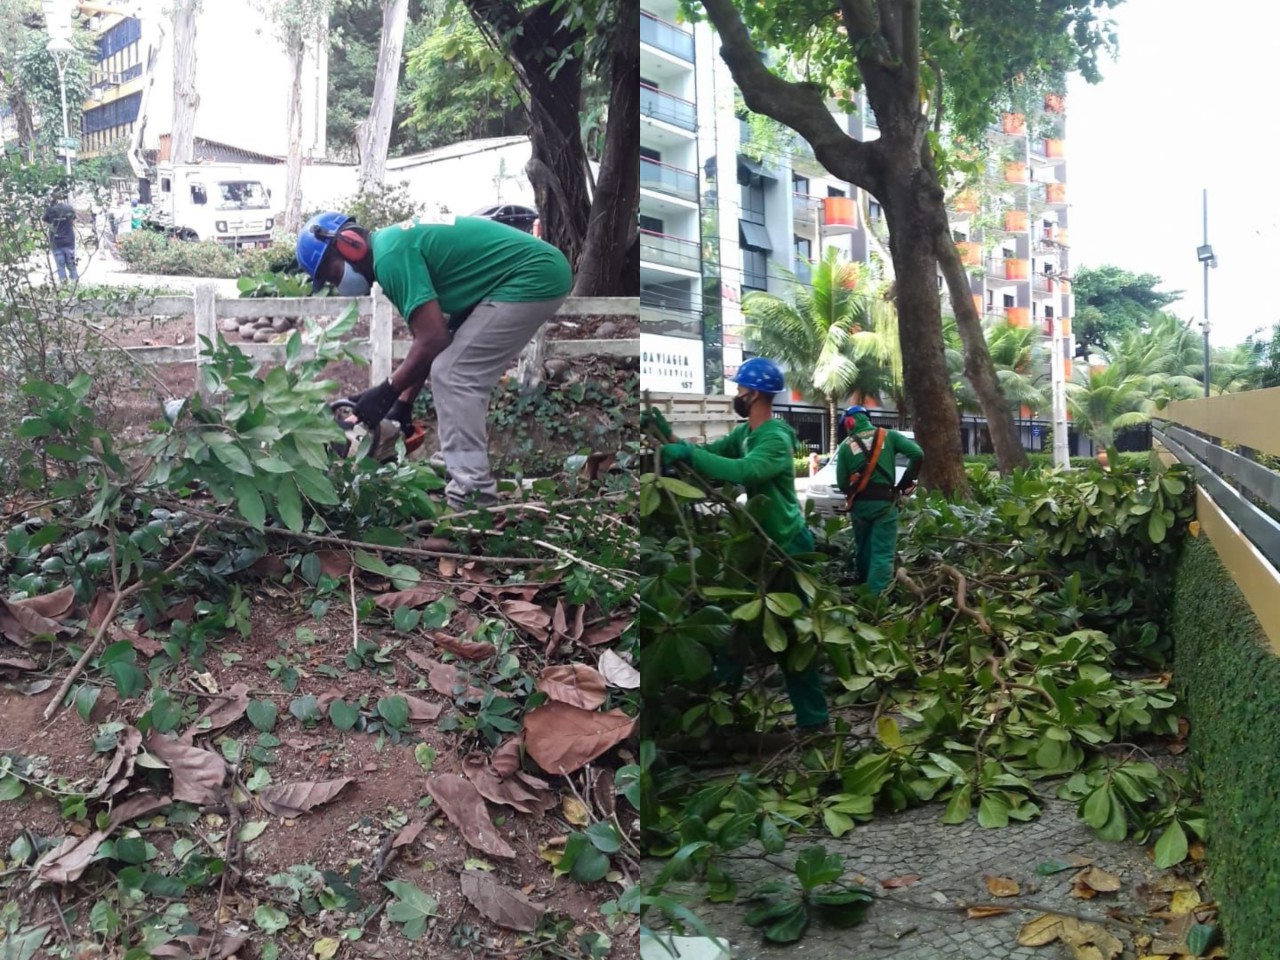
<point x="840" y="212"/>
<point x="1061" y="236"/>
<point x="1018" y="316"/>
<point x="1055" y="103"/>
<point x="970" y="252"/>
<point x="977" y="303"/>
<point x="966" y="202"/>
<point x="1024" y="412"/>
<point x="1066" y="365"/>
<point x="1015" y="220"/>
<point x="796" y="396"/>
<point x="1015" y="124"/>
<point x="1055" y="149"/>
<point x="1056" y="192"/>
<point x="1066" y="285"/>
<point x="1017" y="269"/>
<point x="1015" y="172"/>
<point x="1064" y="323"/>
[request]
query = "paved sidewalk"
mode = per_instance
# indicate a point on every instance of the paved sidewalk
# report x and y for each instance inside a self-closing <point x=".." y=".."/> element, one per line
<point x="951" y="862"/>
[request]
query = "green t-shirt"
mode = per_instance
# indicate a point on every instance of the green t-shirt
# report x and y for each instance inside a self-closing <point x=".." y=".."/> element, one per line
<point x="464" y="260"/>
<point x="762" y="461"/>
<point x="850" y="458"/>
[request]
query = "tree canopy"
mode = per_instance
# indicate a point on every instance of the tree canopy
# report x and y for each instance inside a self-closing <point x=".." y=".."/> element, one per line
<point x="1112" y="301"/>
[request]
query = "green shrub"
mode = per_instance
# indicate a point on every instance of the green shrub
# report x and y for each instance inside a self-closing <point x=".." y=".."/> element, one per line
<point x="149" y="251"/>
<point x="377" y="207"/>
<point x="1131" y="462"/>
<point x="1230" y="678"/>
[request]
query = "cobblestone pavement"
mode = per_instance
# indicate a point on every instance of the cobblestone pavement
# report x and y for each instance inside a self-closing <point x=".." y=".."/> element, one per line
<point x="952" y="862"/>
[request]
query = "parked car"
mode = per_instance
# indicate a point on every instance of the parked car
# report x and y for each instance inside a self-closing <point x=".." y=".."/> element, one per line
<point x="826" y="497"/>
<point x="513" y="215"/>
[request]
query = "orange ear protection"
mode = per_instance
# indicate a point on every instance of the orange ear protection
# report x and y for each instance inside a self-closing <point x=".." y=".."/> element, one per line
<point x="351" y="245"/>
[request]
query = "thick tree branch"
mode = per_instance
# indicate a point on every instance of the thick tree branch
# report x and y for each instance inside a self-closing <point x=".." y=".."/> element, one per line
<point x="937" y="94"/>
<point x="863" y="23"/>
<point x="891" y="27"/>
<point x="909" y="27"/>
<point x="800" y="106"/>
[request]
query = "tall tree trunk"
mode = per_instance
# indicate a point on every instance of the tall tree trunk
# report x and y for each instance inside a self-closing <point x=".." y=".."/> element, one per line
<point x="374" y="134"/>
<point x="831" y="411"/>
<point x="909" y="198"/>
<point x="558" y="167"/>
<point x="186" y="98"/>
<point x="613" y="231"/>
<point x="979" y="368"/>
<point x="293" y="168"/>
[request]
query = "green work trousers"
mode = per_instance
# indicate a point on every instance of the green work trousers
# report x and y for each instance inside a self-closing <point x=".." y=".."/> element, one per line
<point x="875" y="543"/>
<point x="804" y="687"/>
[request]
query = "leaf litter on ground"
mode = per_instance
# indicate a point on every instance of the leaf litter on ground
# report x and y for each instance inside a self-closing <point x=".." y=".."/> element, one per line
<point x="465" y="808"/>
<point x="505" y="906"/>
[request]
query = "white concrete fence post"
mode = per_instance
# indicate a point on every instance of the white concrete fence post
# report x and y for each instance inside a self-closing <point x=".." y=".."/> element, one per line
<point x="380" y="333"/>
<point x="206" y="311"/>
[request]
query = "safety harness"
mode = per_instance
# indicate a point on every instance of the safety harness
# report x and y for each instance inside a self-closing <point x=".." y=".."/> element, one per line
<point x="863" y="487"/>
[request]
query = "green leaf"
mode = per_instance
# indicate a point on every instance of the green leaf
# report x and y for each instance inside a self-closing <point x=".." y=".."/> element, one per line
<point x="129" y="680"/>
<point x="271" y="464"/>
<point x="315" y="485"/>
<point x="343" y="715"/>
<point x="1097" y="808"/>
<point x="784" y="604"/>
<point x="1171" y="848"/>
<point x="262" y="714"/>
<point x="790" y="926"/>
<point x="233" y="457"/>
<point x="306" y="709"/>
<point x="367" y="561"/>
<point x="395" y="711"/>
<point x="1200" y="938"/>
<point x="1156" y="527"/>
<point x="289" y="504"/>
<point x="249" y="502"/>
<point x="11" y="788"/>
<point x="86" y="698"/>
<point x="590" y="866"/>
<point x="959" y="806"/>
<point x="993" y="812"/>
<point x="815" y="866"/>
<point x="166" y="714"/>
<point x="604" y="837"/>
<point x="838" y="824"/>
<point x="650" y="499"/>
<point x="251" y="831"/>
<point x="771" y="839"/>
<point x="270" y="919"/>
<point x="1050" y="867"/>
<point x="34" y="427"/>
<point x="749" y="610"/>
<point x="774" y="637"/>
<point x="681" y="489"/>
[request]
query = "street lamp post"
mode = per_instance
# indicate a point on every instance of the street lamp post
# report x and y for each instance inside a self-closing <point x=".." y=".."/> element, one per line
<point x="60" y="49"/>
<point x="1204" y="253"/>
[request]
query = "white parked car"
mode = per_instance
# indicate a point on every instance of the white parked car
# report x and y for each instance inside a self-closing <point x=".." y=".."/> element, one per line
<point x="826" y="497"/>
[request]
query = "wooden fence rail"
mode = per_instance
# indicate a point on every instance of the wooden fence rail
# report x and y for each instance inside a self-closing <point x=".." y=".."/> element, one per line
<point x="381" y="348"/>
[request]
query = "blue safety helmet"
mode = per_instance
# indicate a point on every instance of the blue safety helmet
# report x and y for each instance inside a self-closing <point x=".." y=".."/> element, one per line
<point x="760" y="374"/>
<point x="312" y="248"/>
<point x="851" y="412"/>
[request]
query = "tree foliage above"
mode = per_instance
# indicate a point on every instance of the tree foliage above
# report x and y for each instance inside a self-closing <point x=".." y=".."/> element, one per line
<point x="1111" y="302"/>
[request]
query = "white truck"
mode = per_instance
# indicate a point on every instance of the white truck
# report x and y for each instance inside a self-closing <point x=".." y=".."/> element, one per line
<point x="212" y="201"/>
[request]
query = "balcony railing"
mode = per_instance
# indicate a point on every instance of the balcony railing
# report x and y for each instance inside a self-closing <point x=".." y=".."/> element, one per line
<point x="803" y="270"/>
<point x="1042" y="283"/>
<point x="804" y="207"/>
<point x="661" y="105"/>
<point x="660" y="317"/>
<point x="670" y="251"/>
<point x="666" y="36"/>
<point x="668" y="179"/>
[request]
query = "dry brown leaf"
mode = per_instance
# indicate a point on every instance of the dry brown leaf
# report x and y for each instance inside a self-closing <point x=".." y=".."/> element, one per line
<point x="270" y="567"/>
<point x="575" y="811"/>
<point x="563" y="738"/>
<point x="23" y="620"/>
<point x="465" y="808"/>
<point x="1042" y="930"/>
<point x="53" y="606"/>
<point x="120" y="770"/>
<point x="183" y="610"/>
<point x="1002" y="886"/>
<point x="295" y="799"/>
<point x="136" y="806"/>
<point x="17" y="664"/>
<point x="197" y="946"/>
<point x="618" y="671"/>
<point x="473" y="574"/>
<point x="529" y="616"/>
<point x="1098" y="879"/>
<point x="506" y="758"/>
<point x="448" y="567"/>
<point x="518" y="789"/>
<point x="334" y="563"/>
<point x="603" y="793"/>
<point x="518" y="591"/>
<point x="507" y="907"/>
<point x="1184" y="901"/>
<point x="408" y="833"/>
<point x="576" y="684"/>
<point x="422" y="711"/>
<point x="1078" y="861"/>
<point x="147" y="646"/>
<point x="444" y="678"/>
<point x="1196" y="851"/>
<point x="1089" y="941"/>
<point x="99" y="609"/>
<point x="981" y="913"/>
<point x="68" y="860"/>
<point x="893" y="883"/>
<point x="437" y="544"/>
<point x="413" y="597"/>
<point x="222" y="711"/>
<point x="197" y="774"/>
<point x="466" y="649"/>
<point x="605" y="632"/>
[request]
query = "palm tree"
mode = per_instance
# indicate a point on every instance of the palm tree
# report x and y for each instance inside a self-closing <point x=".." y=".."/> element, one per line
<point x="1019" y="355"/>
<point x="826" y="334"/>
<point x="1103" y="400"/>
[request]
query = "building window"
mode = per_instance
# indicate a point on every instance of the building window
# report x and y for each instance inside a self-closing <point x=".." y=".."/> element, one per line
<point x="835" y="192"/>
<point x="650" y="154"/>
<point x="755" y="269"/>
<point x="800" y="185"/>
<point x="753" y="202"/>
<point x="873" y="210"/>
<point x="1008" y="301"/>
<point x="652" y="224"/>
<point x="1048" y="312"/>
<point x="113" y="114"/>
<point x="119" y="37"/>
<point x="804" y="248"/>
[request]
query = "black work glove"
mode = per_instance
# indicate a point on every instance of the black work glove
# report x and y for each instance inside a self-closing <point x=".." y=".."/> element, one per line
<point x="402" y="413"/>
<point x="374" y="404"/>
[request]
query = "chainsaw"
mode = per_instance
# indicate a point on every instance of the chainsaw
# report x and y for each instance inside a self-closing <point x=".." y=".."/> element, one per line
<point x="362" y="442"/>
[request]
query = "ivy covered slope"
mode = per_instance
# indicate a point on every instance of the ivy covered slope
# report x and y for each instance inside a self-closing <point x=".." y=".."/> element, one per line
<point x="1021" y="655"/>
<point x="261" y="698"/>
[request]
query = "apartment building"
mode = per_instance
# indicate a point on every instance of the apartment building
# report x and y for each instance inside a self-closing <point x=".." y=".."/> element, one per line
<point x="242" y="74"/>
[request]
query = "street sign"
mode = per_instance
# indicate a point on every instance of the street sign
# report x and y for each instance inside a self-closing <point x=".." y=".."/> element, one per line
<point x="69" y="143"/>
<point x="69" y="154"/>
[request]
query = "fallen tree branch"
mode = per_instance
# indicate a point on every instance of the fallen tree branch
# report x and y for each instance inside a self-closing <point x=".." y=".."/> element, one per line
<point x="535" y="505"/>
<point x="962" y="587"/>
<point x="904" y="578"/>
<point x="109" y="618"/>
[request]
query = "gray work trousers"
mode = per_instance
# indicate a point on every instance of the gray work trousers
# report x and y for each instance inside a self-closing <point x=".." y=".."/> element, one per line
<point x="462" y="378"/>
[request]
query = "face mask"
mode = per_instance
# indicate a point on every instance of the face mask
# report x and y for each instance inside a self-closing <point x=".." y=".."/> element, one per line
<point x="742" y="406"/>
<point x="353" y="283"/>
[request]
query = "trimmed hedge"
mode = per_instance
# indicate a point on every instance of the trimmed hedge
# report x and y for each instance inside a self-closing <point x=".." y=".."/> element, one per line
<point x="149" y="251"/>
<point x="1230" y="680"/>
<point x="1129" y="461"/>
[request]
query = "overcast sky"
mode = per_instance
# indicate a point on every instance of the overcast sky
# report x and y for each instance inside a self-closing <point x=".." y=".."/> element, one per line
<point x="1188" y="104"/>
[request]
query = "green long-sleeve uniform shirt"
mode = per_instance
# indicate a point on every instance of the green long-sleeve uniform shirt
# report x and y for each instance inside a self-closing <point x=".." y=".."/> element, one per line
<point x="762" y="461"/>
<point x="850" y="459"/>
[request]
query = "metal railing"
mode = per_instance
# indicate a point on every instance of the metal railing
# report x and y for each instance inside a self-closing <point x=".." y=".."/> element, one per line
<point x="660" y="317"/>
<point x="1238" y="497"/>
<point x="665" y="36"/>
<point x="660" y="105"/>
<point x="670" y="251"/>
<point x="805" y="207"/>
<point x="668" y="179"/>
